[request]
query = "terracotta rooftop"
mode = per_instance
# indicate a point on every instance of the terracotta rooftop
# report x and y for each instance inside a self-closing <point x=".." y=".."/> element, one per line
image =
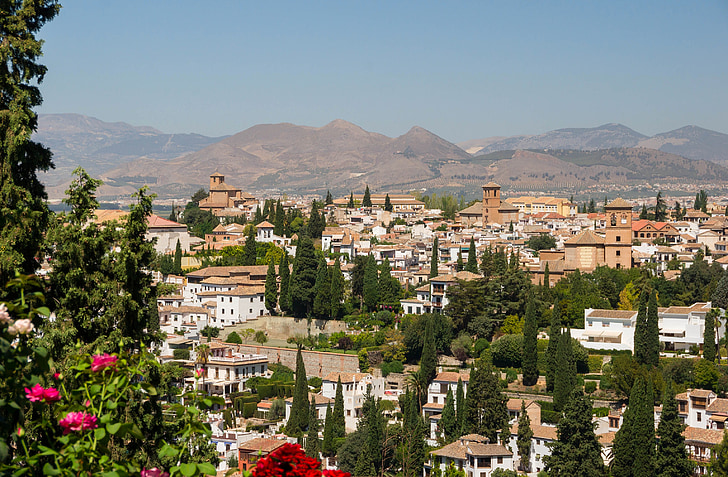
<point x="704" y="436"/>
<point x="719" y="405"/>
<point x="588" y="237"/>
<point x="539" y="432"/>
<point x="459" y="450"/>
<point x="260" y="444"/>
<point x="345" y="377"/>
<point x="619" y="204"/>
<point x="618" y="314"/>
<point x="451" y="377"/>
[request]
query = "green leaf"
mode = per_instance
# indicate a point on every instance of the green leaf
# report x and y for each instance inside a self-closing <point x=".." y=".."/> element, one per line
<point x="42" y="352"/>
<point x="99" y="433"/>
<point x="95" y="388"/>
<point x="207" y="468"/>
<point x="111" y="405"/>
<point x="49" y="470"/>
<point x="21" y="471"/>
<point x="113" y="428"/>
<point x="113" y="473"/>
<point x="135" y="432"/>
<point x="167" y="451"/>
<point x="188" y="469"/>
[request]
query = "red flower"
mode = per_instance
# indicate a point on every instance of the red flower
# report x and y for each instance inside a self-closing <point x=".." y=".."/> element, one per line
<point x="35" y="393"/>
<point x="336" y="473"/>
<point x="103" y="361"/>
<point x="289" y="460"/>
<point x="154" y="472"/>
<point x="51" y="394"/>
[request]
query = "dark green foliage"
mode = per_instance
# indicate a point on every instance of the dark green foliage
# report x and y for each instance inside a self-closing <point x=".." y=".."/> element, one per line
<point x="322" y="291"/>
<point x="303" y="278"/>
<point x="298" y="422"/>
<point x="541" y="242"/>
<point x="565" y="372"/>
<point x="554" y="336"/>
<point x="523" y="439"/>
<point x="210" y="332"/>
<point x="350" y="204"/>
<point x="339" y="421"/>
<point x="472" y="264"/>
<point x="181" y="353"/>
<point x="178" y="259"/>
<point x="249" y="249"/>
<point x="284" y="271"/>
<point x="389" y="287"/>
<point x="388" y="204"/>
<point x="428" y="362"/>
<point x="23" y="210"/>
<point x="486" y="405"/>
<point x="316" y="223"/>
<point x="577" y="453"/>
<point x="634" y="443"/>
<point x="460" y="265"/>
<point x="413" y="327"/>
<point x="507" y="351"/>
<point x="234" y="338"/>
<point x="530" y="342"/>
<point x="641" y="350"/>
<point x="660" y="208"/>
<point x="719" y="458"/>
<point x="337" y="290"/>
<point x="701" y="201"/>
<point x="271" y="288"/>
<point x="279" y="222"/>
<point x="349" y="451"/>
<point x="434" y="259"/>
<point x="371" y="284"/>
<point x="709" y="345"/>
<point x="412" y="443"/>
<point x="357" y="275"/>
<point x="460" y="407"/>
<point x="652" y="337"/>
<point x="367" y="200"/>
<point x="720" y="295"/>
<point x="327" y="445"/>
<point x="671" y="458"/>
<point x="329" y="199"/>
<point x="313" y="446"/>
<point x="448" y="421"/>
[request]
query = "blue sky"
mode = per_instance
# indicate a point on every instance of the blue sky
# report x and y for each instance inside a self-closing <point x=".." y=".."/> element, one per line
<point x="463" y="70"/>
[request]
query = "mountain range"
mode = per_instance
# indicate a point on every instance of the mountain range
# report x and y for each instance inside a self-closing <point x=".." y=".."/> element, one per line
<point x="340" y="156"/>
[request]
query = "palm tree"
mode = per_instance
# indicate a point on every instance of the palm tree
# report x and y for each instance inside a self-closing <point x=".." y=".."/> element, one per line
<point x="418" y="386"/>
<point x="203" y="353"/>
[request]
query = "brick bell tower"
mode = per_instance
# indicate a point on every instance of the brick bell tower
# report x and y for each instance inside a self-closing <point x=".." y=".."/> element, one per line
<point x="491" y="203"/>
<point x="618" y="239"/>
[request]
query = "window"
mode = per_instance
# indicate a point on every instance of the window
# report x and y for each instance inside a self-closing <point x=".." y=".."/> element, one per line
<point x="619" y="238"/>
<point x="251" y="311"/>
<point x="223" y="311"/>
<point x="434" y="399"/>
<point x="500" y="460"/>
<point x="619" y="253"/>
<point x="700" y="418"/>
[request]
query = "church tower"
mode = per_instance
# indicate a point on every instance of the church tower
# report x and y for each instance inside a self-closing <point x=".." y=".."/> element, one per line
<point x="216" y="179"/>
<point x="618" y="239"/>
<point x="491" y="203"/>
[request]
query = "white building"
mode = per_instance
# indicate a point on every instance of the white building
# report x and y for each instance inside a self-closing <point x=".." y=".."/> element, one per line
<point x="543" y="436"/>
<point x="226" y="370"/>
<point x="354" y="389"/>
<point x="433" y="299"/>
<point x="473" y="454"/>
<point x="680" y="328"/>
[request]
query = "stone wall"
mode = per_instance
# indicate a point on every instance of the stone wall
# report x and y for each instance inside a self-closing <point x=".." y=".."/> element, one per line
<point x="283" y="327"/>
<point x="317" y="363"/>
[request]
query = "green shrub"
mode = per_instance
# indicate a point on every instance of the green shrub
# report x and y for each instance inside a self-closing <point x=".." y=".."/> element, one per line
<point x="480" y="345"/>
<point x="511" y="375"/>
<point x="590" y="387"/>
<point x="600" y="411"/>
<point x="181" y="353"/>
<point x="546" y="405"/>
<point x="393" y="367"/>
<point x="507" y="351"/>
<point x="234" y="338"/>
<point x="595" y="363"/>
<point x="249" y="409"/>
<point x="550" y="417"/>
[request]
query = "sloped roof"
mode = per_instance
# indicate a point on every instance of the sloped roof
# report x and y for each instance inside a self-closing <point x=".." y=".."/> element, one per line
<point x="157" y="221"/>
<point x="265" y="225"/>
<point x="588" y="237"/>
<point x="491" y="184"/>
<point x="619" y="203"/>
<point x="452" y="377"/>
<point x="475" y="209"/>
<point x="705" y="436"/>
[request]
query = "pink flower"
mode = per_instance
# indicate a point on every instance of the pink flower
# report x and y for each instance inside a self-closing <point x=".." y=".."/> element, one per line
<point x="51" y="394"/>
<point x="35" y="394"/>
<point x="22" y="327"/>
<point x="87" y="403"/>
<point x="199" y="372"/>
<point x="4" y="315"/>
<point x="103" y="361"/>
<point x="21" y="432"/>
<point x="56" y="376"/>
<point x="78" y="421"/>
<point x="154" y="472"/>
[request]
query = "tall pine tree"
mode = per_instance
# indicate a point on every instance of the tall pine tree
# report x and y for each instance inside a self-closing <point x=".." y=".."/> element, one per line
<point x="487" y="406"/>
<point x="371" y="284"/>
<point x="337" y="290"/>
<point x="284" y="271"/>
<point x="303" y="279"/>
<point x="367" y="200"/>
<point x="554" y="336"/>
<point x="709" y="346"/>
<point x="565" y="372"/>
<point x="271" y="288"/>
<point x="523" y="438"/>
<point x="530" y="343"/>
<point x="339" y="425"/>
<point x="428" y="361"/>
<point x="351" y="204"/>
<point x="652" y="331"/>
<point x="327" y="445"/>
<point x="448" y="421"/>
<point x="671" y="458"/>
<point x="298" y="422"/>
<point x="178" y="259"/>
<point x="640" y="329"/>
<point x="250" y="248"/>
<point x="322" y="289"/>
<point x="472" y="265"/>
<point x="313" y="444"/>
<point x="577" y="453"/>
<point x="460" y="407"/>
<point x="634" y="443"/>
<point x="433" y="260"/>
<point x="388" y="204"/>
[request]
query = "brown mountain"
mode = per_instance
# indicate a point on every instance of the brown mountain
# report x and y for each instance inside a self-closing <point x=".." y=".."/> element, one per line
<point x="289" y="158"/>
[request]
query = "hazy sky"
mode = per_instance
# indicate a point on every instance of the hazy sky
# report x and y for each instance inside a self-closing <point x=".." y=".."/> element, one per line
<point x="463" y="70"/>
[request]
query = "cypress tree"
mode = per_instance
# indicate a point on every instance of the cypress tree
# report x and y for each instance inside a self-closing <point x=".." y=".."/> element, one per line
<point x="271" y="288"/>
<point x="546" y="276"/>
<point x="472" y="265"/>
<point x="350" y="204"/>
<point x="279" y="225"/>
<point x="709" y="346"/>
<point x="298" y="422"/>
<point x="303" y="279"/>
<point x="285" y="272"/>
<point x="413" y="429"/>
<point x="371" y="284"/>
<point x="266" y="209"/>
<point x="460" y="265"/>
<point x="258" y="217"/>
<point x="530" y="343"/>
<point x="250" y="248"/>
<point x="460" y="407"/>
<point x="327" y="445"/>
<point x="388" y="204"/>
<point x="428" y="361"/>
<point x="365" y="464"/>
<point x="322" y="289"/>
<point x="433" y="261"/>
<point x="312" y="439"/>
<point x="523" y="439"/>
<point x="577" y="453"/>
<point x="486" y="405"/>
<point x="634" y="443"/>
<point x="554" y="336"/>
<point x="487" y="264"/>
<point x="565" y="372"/>
<point x="367" y="200"/>
<point x="329" y="199"/>
<point x="316" y="223"/>
<point x="720" y="295"/>
<point x="178" y="259"/>
<point x="337" y="290"/>
<point x="339" y="425"/>
<point x="652" y="331"/>
<point x="389" y="287"/>
<point x="640" y="329"/>
<point x="671" y="458"/>
<point x="448" y="420"/>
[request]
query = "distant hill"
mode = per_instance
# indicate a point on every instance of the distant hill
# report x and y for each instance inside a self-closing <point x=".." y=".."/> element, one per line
<point x="691" y="142"/>
<point x="99" y="146"/>
<point x="289" y="158"/>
